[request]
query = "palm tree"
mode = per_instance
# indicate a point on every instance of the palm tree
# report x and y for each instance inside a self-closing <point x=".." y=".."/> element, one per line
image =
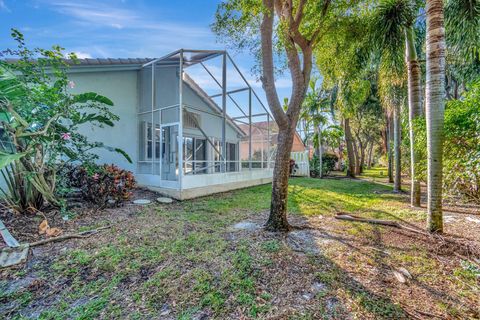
<point x="393" y="24"/>
<point x="314" y="111"/>
<point x="435" y="107"/>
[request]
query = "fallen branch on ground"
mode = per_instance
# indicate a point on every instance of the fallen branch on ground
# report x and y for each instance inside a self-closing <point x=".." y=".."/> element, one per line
<point x="80" y="235"/>
<point x="348" y="217"/>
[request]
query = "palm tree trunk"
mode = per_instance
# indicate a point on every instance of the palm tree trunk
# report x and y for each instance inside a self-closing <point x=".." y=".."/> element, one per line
<point x="397" y="183"/>
<point x="350" y="150"/>
<point x="389" y="149"/>
<point x="370" y="155"/>
<point x="320" y="153"/>
<point x="357" y="157"/>
<point x="435" y="108"/>
<point x="415" y="110"/>
<point x="362" y="156"/>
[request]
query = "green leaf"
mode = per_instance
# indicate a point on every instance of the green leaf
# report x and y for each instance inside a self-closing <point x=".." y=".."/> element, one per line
<point x="123" y="153"/>
<point x="5" y="117"/>
<point x="7" y="158"/>
<point x="91" y="117"/>
<point x="11" y="89"/>
<point x="91" y="97"/>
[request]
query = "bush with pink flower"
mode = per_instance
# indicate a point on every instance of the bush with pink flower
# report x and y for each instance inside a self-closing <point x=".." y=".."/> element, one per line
<point x="40" y="117"/>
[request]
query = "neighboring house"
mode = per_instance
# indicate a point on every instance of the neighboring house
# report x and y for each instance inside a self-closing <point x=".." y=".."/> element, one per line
<point x="184" y="157"/>
<point x="264" y="141"/>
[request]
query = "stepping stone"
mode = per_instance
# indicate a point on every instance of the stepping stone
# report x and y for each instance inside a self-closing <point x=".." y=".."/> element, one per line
<point x="142" y="201"/>
<point x="164" y="200"/>
<point x="246" y="225"/>
<point x="12" y="256"/>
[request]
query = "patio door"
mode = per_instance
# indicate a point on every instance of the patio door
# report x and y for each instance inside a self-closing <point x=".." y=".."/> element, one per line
<point x="169" y="163"/>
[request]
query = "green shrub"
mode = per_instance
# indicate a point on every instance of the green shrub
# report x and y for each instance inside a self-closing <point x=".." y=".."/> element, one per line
<point x="328" y="164"/>
<point x="461" y="162"/>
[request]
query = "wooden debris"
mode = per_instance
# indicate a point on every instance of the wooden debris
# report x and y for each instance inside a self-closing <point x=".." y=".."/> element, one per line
<point x="405" y="272"/>
<point x="389" y="223"/>
<point x="12" y="256"/>
<point x="80" y="235"/>
<point x="399" y="276"/>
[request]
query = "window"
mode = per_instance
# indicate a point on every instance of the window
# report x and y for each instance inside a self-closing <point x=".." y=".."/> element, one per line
<point x="232" y="157"/>
<point x="194" y="155"/>
<point x="191" y="120"/>
<point x="217" y="156"/>
<point x="150" y="140"/>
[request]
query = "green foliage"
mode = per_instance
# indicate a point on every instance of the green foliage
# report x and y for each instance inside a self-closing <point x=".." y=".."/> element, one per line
<point x="461" y="164"/>
<point x="462" y="28"/>
<point x="40" y="117"/>
<point x="390" y="19"/>
<point x="20" y="193"/>
<point x="462" y="24"/>
<point x="328" y="164"/>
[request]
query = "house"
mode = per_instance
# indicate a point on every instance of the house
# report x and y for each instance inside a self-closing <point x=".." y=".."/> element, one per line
<point x="264" y="136"/>
<point x="261" y="137"/>
<point x="184" y="142"/>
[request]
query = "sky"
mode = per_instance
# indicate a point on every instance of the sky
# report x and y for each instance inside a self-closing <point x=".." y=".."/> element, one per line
<point x="120" y="29"/>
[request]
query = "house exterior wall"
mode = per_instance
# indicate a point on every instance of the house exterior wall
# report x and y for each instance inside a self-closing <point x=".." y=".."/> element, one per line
<point x="121" y="88"/>
<point x="211" y="121"/>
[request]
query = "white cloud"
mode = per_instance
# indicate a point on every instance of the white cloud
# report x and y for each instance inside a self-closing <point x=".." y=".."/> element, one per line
<point x="96" y="13"/>
<point x="3" y="7"/>
<point x="126" y="32"/>
<point x="82" y="55"/>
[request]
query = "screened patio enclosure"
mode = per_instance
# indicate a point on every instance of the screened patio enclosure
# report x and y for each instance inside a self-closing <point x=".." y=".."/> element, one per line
<point x="201" y="125"/>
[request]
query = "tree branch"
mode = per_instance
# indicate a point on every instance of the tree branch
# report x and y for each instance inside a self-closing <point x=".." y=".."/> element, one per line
<point x="268" y="78"/>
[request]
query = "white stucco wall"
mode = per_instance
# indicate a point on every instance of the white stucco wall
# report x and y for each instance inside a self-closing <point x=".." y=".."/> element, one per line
<point x="121" y="88"/>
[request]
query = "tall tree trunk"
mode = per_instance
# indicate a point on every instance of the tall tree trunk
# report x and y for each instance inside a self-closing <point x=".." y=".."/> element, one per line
<point x="435" y="108"/>
<point x="357" y="157"/>
<point x="277" y="220"/>
<point x="362" y="156"/>
<point x="320" y="153"/>
<point x="299" y="56"/>
<point x="340" y="156"/>
<point x="390" y="149"/>
<point x="397" y="183"/>
<point x="415" y="110"/>
<point x="370" y="155"/>
<point x="350" y="150"/>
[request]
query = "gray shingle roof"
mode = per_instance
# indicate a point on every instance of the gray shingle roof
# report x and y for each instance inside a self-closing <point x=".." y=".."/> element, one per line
<point x="100" y="61"/>
<point x="109" y="61"/>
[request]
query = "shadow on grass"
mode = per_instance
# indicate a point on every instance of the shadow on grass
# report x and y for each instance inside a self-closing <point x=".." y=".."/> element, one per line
<point x="379" y="305"/>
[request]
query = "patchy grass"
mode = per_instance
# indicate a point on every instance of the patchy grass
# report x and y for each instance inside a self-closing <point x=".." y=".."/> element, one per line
<point x="184" y="261"/>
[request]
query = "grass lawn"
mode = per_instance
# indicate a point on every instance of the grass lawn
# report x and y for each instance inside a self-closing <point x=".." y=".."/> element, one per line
<point x="186" y="261"/>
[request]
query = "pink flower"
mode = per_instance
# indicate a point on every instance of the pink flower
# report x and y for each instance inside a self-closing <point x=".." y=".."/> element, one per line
<point x="66" y="136"/>
<point x="71" y="84"/>
<point x="95" y="176"/>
